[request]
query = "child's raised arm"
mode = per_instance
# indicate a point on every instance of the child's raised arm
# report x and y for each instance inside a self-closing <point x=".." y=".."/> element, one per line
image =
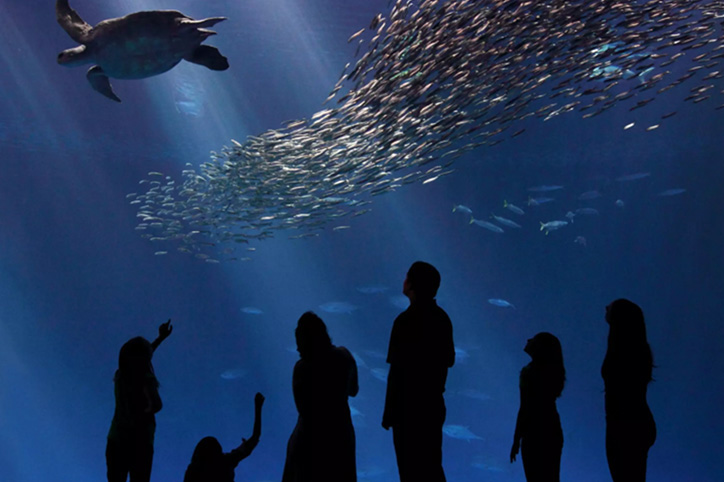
<point x="258" y="402"/>
<point x="247" y="446"/>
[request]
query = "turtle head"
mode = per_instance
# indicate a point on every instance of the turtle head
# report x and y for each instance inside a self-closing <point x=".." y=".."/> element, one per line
<point x="75" y="56"/>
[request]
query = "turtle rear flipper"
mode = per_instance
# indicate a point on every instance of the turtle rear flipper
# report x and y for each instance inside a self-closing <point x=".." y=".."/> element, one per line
<point x="71" y="22"/>
<point x="100" y="83"/>
<point x="209" y="57"/>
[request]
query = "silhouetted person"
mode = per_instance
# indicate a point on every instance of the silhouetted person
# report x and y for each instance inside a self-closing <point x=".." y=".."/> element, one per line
<point x="421" y="351"/>
<point x="322" y="445"/>
<point x="626" y="372"/>
<point x="210" y="464"/>
<point x="129" y="450"/>
<point x="538" y="425"/>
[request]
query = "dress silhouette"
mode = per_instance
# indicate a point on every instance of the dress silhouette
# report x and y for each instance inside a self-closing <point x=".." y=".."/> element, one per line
<point x="129" y="449"/>
<point x="322" y="445"/>
<point x="626" y="372"/>
<point x="538" y="425"/>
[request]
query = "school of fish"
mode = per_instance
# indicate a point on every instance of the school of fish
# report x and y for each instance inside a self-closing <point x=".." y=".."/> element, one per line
<point x="435" y="80"/>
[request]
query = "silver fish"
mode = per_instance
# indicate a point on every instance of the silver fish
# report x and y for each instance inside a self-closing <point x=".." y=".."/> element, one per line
<point x="487" y="225"/>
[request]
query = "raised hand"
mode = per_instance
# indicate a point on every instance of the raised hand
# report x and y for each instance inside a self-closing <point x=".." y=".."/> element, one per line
<point x="164" y="330"/>
<point x="258" y="400"/>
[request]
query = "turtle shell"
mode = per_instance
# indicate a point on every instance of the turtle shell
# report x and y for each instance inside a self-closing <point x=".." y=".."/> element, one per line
<point x="143" y="44"/>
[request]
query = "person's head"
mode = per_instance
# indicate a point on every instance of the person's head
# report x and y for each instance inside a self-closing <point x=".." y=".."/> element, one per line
<point x="422" y="281"/>
<point x="544" y="347"/>
<point x="134" y="359"/>
<point x="545" y="351"/>
<point x="627" y="317"/>
<point x="205" y="461"/>
<point x="311" y="335"/>
<point x="626" y="321"/>
<point x="627" y="343"/>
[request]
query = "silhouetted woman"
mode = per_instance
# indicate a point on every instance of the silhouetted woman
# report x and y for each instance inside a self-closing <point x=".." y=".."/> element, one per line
<point x="626" y="372"/>
<point x="538" y="425"/>
<point x="129" y="450"/>
<point x="322" y="445"/>
<point x="210" y="464"/>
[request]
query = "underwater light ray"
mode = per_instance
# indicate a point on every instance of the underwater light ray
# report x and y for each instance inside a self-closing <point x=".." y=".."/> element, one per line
<point x="33" y="432"/>
<point x="438" y="79"/>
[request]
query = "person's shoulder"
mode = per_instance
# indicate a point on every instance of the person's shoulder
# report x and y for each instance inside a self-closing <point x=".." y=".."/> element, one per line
<point x="299" y="365"/>
<point x="401" y="320"/>
<point x="440" y="309"/>
<point x="441" y="314"/>
<point x="342" y="351"/>
<point x="229" y="462"/>
<point x="404" y="314"/>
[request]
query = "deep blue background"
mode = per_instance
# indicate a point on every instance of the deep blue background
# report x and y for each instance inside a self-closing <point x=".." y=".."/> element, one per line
<point x="76" y="280"/>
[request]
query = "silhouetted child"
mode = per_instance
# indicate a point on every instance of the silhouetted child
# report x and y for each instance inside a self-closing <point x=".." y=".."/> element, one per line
<point x="210" y="464"/>
<point x="538" y="425"/>
<point x="129" y="450"/>
<point x="626" y="372"/>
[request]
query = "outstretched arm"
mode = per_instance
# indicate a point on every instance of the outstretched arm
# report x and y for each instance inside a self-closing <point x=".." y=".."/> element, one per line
<point x="164" y="330"/>
<point x="247" y="446"/>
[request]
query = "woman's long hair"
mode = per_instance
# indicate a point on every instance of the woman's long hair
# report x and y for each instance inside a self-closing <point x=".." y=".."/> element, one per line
<point x="547" y="359"/>
<point x="312" y="337"/>
<point x="134" y="363"/>
<point x="628" y="348"/>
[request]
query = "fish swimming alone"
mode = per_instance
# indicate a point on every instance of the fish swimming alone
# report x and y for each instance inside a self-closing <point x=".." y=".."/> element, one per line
<point x="552" y="225"/>
<point x="501" y="303"/>
<point x="633" y="177"/>
<point x="537" y="201"/>
<point x="252" y="310"/>
<point x="485" y="224"/>
<point x="372" y="289"/>
<point x="513" y="208"/>
<point x="462" y="209"/>
<point x="505" y="221"/>
<point x="672" y="192"/>
<point x="545" y="188"/>
<point x="139" y="45"/>
<point x="460" y="432"/>
<point x="233" y="374"/>
<point x="338" y="307"/>
<point x="587" y="211"/>
<point x="589" y="195"/>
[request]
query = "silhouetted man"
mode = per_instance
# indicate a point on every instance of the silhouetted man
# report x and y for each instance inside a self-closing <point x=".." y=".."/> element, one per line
<point x="420" y="353"/>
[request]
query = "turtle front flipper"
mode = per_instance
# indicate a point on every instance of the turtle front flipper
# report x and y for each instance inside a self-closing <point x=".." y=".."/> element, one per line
<point x="209" y="57"/>
<point x="200" y="24"/>
<point x="100" y="83"/>
<point x="71" y="22"/>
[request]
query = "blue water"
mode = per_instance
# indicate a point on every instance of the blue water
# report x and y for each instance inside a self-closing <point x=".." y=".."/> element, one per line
<point x="77" y="281"/>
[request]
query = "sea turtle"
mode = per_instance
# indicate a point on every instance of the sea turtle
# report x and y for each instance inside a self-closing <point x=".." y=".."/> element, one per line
<point x="139" y="45"/>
